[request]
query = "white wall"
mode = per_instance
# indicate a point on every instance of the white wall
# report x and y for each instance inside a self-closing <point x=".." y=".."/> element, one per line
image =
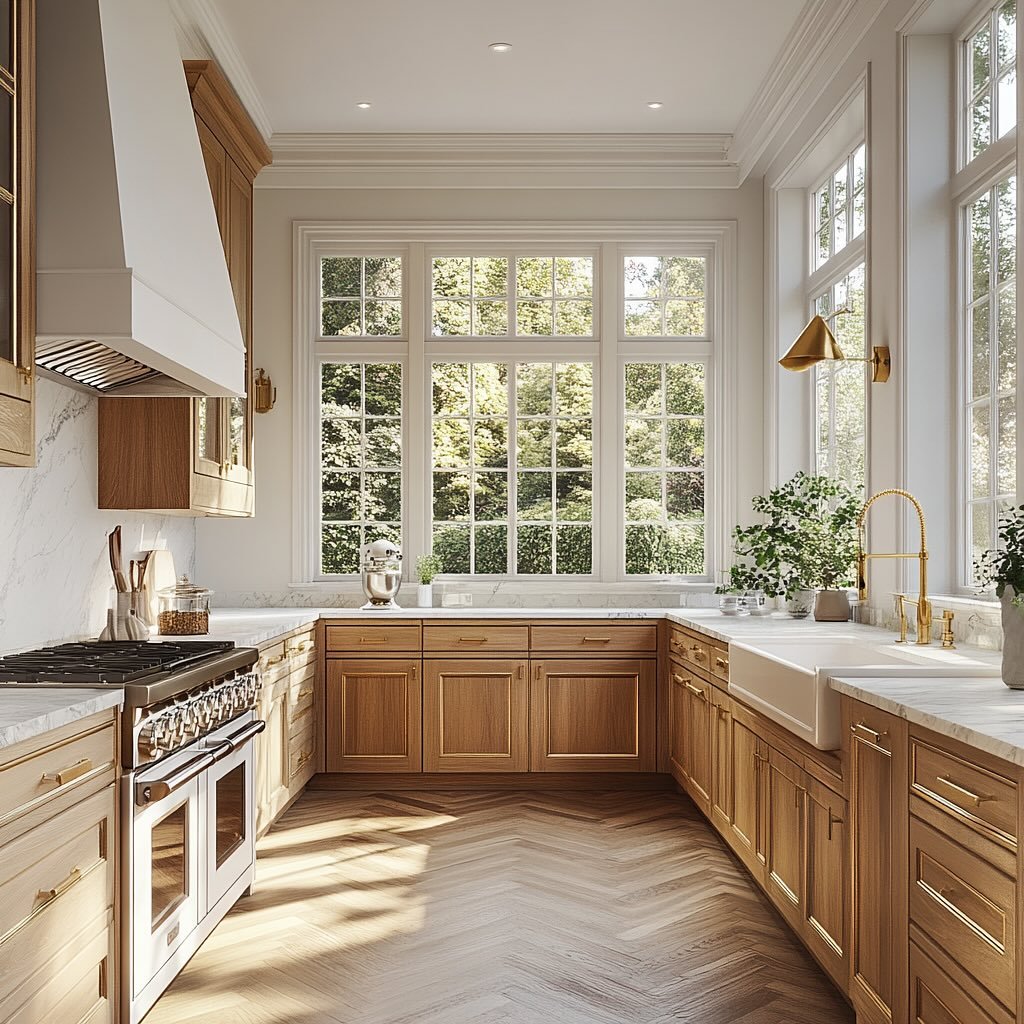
<point x="250" y="561"/>
<point x="54" y="572"/>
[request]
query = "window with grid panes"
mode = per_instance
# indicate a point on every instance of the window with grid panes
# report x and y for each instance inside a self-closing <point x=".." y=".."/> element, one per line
<point x="839" y="208"/>
<point x="664" y="296"/>
<point x="361" y="296"/>
<point x="664" y="436"/>
<point x="512" y="467"/>
<point x="989" y="81"/>
<point x="360" y="460"/>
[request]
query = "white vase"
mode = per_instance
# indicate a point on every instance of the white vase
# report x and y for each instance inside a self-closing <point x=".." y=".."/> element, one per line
<point x="425" y="596"/>
<point x="1013" y="640"/>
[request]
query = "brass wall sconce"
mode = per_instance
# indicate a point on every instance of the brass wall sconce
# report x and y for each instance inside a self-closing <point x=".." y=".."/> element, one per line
<point x="817" y="344"/>
<point x="264" y="394"/>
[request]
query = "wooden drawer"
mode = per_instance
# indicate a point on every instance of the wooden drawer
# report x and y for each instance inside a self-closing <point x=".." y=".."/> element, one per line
<point x="55" y="880"/>
<point x="473" y="639"/>
<point x="374" y="639"/>
<point x="300" y="652"/>
<point x="871" y="725"/>
<point x="596" y="638"/>
<point x="301" y="751"/>
<point x="300" y="704"/>
<point x="966" y="907"/>
<point x="77" y="987"/>
<point x="41" y="774"/>
<point x="935" y="999"/>
<point x="982" y="799"/>
<point x="690" y="649"/>
<point x="719" y="662"/>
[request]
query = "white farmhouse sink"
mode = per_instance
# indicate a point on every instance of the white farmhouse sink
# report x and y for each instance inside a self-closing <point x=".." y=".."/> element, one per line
<point x="787" y="680"/>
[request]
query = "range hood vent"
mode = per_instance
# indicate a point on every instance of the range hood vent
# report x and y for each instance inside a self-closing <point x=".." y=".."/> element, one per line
<point x="133" y="292"/>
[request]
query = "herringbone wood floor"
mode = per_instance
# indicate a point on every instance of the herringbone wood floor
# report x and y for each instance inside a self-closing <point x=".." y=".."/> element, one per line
<point x="499" y="908"/>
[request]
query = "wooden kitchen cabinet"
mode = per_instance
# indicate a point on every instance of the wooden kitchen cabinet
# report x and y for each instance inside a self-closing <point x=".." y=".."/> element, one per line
<point x="785" y="867"/>
<point x="875" y="754"/>
<point x="17" y="230"/>
<point x="476" y="715"/>
<point x="590" y="715"/>
<point x="721" y="793"/>
<point x="374" y="719"/>
<point x="748" y="779"/>
<point x="678" y="745"/>
<point x="698" y="715"/>
<point x="195" y="455"/>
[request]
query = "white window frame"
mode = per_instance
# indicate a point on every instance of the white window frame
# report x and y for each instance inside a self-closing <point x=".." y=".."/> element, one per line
<point x="825" y="277"/>
<point x="608" y="351"/>
<point x="847" y="163"/>
<point x="710" y="285"/>
<point x="371" y="252"/>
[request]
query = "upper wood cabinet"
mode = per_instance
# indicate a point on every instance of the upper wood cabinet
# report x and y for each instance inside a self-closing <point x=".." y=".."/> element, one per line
<point x="196" y="455"/>
<point x="17" y="233"/>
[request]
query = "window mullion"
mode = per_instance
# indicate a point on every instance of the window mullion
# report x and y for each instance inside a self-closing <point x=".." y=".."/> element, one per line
<point x="512" y="512"/>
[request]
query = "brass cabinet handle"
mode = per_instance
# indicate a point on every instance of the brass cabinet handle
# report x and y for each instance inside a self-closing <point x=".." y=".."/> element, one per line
<point x="46" y="895"/>
<point x="306" y="645"/>
<point x="373" y="639"/>
<point x="947" y="893"/>
<point x="833" y="819"/>
<point x="472" y="639"/>
<point x="519" y="672"/>
<point x="274" y="661"/>
<point x="697" y="691"/>
<point x="597" y="639"/>
<point x="861" y="727"/>
<point x="676" y="642"/>
<point x="697" y="653"/>
<point x="976" y="798"/>
<point x="721" y="663"/>
<point x="66" y="775"/>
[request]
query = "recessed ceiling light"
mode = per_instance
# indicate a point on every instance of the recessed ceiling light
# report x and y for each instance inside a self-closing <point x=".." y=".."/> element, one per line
<point x="501" y="47"/>
<point x="655" y="104"/>
<point x="364" y="105"/>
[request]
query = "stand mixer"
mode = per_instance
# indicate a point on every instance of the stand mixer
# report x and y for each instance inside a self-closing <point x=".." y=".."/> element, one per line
<point x="381" y="573"/>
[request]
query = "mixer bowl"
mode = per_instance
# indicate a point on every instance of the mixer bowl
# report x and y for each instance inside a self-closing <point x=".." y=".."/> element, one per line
<point x="381" y="588"/>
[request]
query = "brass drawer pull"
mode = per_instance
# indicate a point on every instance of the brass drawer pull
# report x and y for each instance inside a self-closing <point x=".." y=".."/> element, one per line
<point x="861" y="727"/>
<point x="676" y="642"/>
<point x="472" y="639"/>
<point x="697" y="691"/>
<point x="373" y="639"/>
<point x="722" y="664"/>
<point x="66" y="775"/>
<point x="306" y="645"/>
<point x="833" y="819"/>
<point x="597" y="639"/>
<point x="697" y="653"/>
<point x="274" y="661"/>
<point x="976" y="798"/>
<point x="46" y="895"/>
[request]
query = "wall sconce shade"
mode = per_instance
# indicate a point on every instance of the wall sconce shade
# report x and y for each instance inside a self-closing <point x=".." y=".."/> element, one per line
<point x="264" y="394"/>
<point x="817" y="344"/>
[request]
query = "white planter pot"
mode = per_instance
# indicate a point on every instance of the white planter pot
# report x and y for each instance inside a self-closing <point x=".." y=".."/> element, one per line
<point x="800" y="604"/>
<point x="1013" y="640"/>
<point x="425" y="595"/>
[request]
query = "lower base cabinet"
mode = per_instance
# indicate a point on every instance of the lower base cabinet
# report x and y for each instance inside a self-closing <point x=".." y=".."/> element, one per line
<point x="374" y="715"/>
<point x="785" y="868"/>
<point x="476" y="715"/>
<point x="593" y="715"/>
<point x="748" y="782"/>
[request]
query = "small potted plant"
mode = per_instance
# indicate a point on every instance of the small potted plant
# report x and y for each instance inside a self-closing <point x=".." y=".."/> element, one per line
<point x="807" y="538"/>
<point x="1004" y="568"/>
<point x="427" y="567"/>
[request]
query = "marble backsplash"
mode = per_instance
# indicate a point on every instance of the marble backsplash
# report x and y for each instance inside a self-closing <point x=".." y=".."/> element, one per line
<point x="54" y="572"/>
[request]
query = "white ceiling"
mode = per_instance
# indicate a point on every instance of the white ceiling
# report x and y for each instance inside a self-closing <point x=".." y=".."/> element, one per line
<point x="575" y="65"/>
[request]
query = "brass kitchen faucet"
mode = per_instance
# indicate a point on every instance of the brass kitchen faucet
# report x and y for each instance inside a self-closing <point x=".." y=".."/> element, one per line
<point x="924" y="608"/>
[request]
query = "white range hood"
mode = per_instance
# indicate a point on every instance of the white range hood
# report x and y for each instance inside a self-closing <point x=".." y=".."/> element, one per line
<point x="133" y="290"/>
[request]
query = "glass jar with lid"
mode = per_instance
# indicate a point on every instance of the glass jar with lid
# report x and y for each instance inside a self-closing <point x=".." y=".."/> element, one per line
<point x="184" y="609"/>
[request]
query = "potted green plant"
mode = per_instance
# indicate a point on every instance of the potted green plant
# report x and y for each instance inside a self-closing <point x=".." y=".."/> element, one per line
<point x="1004" y="568"/>
<point x="427" y="567"/>
<point x="806" y="539"/>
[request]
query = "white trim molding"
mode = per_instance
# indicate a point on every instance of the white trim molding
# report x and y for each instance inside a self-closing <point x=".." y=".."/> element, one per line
<point x="201" y="27"/>
<point x="453" y="160"/>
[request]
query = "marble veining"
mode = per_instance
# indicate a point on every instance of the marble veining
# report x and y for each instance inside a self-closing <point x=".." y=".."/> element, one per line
<point x="54" y="574"/>
<point x="982" y="713"/>
<point x="26" y="712"/>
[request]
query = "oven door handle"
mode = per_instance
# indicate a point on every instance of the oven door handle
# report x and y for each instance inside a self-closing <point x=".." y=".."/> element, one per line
<point x="237" y="739"/>
<point x="147" y="792"/>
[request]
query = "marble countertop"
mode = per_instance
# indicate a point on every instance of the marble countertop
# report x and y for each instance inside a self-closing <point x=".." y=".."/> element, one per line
<point x="27" y="712"/>
<point x="983" y="713"/>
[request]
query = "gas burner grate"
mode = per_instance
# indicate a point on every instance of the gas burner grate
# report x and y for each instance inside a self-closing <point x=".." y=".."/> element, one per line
<point x="115" y="661"/>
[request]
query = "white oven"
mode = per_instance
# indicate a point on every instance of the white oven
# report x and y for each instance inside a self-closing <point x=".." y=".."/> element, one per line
<point x="189" y="856"/>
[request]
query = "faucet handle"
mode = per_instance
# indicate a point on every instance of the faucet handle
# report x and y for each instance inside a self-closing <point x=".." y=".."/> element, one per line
<point x="948" y="639"/>
<point x="901" y="612"/>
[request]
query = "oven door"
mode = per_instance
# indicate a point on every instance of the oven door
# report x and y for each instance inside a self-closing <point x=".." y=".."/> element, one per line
<point x="230" y="802"/>
<point x="167" y="879"/>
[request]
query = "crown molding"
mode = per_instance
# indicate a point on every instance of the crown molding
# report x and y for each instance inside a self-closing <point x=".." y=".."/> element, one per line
<point x="203" y="32"/>
<point x="783" y="92"/>
<point x="479" y="160"/>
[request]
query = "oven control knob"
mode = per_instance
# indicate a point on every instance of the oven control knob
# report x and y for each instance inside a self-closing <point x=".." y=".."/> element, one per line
<point x="151" y="738"/>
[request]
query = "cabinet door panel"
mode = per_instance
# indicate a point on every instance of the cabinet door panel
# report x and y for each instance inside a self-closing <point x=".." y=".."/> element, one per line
<point x="593" y="715"/>
<point x="785" y="839"/>
<point x="373" y="715"/>
<point x="746" y="833"/>
<point x="475" y="716"/>
<point x="721" y="762"/>
<point x="238" y="250"/>
<point x="677" y="752"/>
<point x="825" y="883"/>
<point x="698" y="741"/>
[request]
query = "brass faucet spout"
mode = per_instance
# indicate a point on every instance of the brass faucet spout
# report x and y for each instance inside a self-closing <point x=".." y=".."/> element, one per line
<point x="924" y="608"/>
